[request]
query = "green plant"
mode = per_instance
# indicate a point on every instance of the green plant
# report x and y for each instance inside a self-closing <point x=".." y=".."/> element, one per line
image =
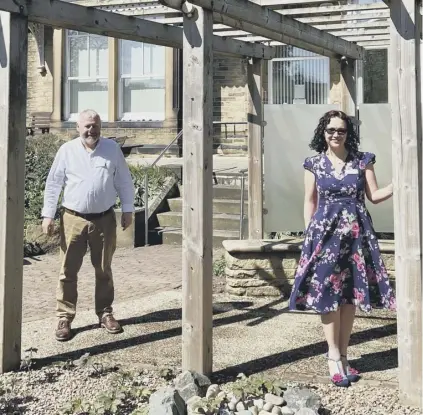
<point x="39" y="156"/>
<point x="255" y="386"/>
<point x="156" y="179"/>
<point x="219" y="267"/>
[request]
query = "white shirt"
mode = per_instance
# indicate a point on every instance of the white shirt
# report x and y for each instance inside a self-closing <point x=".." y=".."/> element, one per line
<point x="91" y="180"/>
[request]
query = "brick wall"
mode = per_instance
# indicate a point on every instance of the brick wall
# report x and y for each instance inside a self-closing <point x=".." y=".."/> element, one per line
<point x="40" y="88"/>
<point x="229" y="89"/>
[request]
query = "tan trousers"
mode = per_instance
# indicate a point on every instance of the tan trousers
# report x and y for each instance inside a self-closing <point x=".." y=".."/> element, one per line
<point x="76" y="234"/>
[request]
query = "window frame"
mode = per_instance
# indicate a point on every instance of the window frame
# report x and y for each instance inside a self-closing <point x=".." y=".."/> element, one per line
<point x="138" y="116"/>
<point x="68" y="116"/>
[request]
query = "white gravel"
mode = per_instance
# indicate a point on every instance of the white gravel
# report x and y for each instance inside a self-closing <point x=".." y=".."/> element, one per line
<point x="48" y="390"/>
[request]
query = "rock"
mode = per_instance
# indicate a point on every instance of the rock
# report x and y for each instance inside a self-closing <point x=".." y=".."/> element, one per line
<point x="274" y="399"/>
<point x="268" y="406"/>
<point x="193" y="400"/>
<point x="254" y="410"/>
<point x="302" y="398"/>
<point x="243" y="412"/>
<point x="277" y="410"/>
<point x="212" y="391"/>
<point x="221" y="395"/>
<point x="166" y="401"/>
<point x="286" y="410"/>
<point x="232" y="406"/>
<point x="259" y="403"/>
<point x="264" y="413"/>
<point x="190" y="383"/>
<point x="240" y="406"/>
<point x="306" y="411"/>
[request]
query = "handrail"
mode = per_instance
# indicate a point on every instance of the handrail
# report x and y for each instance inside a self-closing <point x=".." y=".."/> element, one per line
<point x="146" y="213"/>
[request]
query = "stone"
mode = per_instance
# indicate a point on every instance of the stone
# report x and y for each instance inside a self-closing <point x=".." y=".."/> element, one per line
<point x="268" y="406"/>
<point x="259" y="403"/>
<point x="232" y="406"/>
<point x="277" y="410"/>
<point x="263" y="291"/>
<point x="253" y="282"/>
<point x="212" y="391"/>
<point x="262" y="412"/>
<point x="190" y="383"/>
<point x="166" y="401"/>
<point x="243" y="412"/>
<point x="254" y="410"/>
<point x="193" y="400"/>
<point x="254" y="260"/>
<point x="263" y="274"/>
<point x="240" y="406"/>
<point x="306" y="411"/>
<point x="286" y="410"/>
<point x="274" y="399"/>
<point x="235" y="291"/>
<point x="302" y="398"/>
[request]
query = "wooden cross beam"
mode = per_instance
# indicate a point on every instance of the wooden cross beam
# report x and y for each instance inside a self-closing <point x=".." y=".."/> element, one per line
<point x="72" y="16"/>
<point x="277" y="27"/>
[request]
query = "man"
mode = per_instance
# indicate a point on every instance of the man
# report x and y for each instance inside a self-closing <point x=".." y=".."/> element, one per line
<point x="92" y="170"/>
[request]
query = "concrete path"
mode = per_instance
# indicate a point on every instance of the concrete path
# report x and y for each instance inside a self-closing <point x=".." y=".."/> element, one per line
<point x="249" y="336"/>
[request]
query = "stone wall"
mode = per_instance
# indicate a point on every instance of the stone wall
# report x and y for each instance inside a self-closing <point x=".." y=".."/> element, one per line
<point x="257" y="268"/>
<point x="40" y="87"/>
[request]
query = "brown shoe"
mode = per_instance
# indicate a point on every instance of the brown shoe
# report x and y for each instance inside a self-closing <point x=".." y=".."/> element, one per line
<point x="63" y="331"/>
<point x="110" y="324"/>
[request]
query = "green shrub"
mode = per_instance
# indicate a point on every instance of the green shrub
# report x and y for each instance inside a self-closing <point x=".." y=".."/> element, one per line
<point x="39" y="156"/>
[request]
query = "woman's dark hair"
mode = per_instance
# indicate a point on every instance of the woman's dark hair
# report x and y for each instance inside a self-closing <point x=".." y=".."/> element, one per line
<point x="318" y="143"/>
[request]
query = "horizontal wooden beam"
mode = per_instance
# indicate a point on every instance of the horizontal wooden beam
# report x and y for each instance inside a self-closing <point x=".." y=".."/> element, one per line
<point x="343" y="34"/>
<point x="162" y="12"/>
<point x="359" y="8"/>
<point x="91" y="20"/>
<point x="278" y="27"/>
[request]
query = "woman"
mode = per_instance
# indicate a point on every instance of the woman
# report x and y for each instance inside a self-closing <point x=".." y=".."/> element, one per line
<point x="340" y="256"/>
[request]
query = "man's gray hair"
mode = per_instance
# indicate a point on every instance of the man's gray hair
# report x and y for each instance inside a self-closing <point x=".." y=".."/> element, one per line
<point x="89" y="114"/>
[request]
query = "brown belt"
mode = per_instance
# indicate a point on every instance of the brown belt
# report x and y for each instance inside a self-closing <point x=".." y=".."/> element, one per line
<point x="88" y="216"/>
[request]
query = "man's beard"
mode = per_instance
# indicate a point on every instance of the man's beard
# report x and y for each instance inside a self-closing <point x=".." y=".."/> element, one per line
<point x="91" y="141"/>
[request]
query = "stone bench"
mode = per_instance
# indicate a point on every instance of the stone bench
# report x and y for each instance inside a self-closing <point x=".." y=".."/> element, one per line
<point x="256" y="268"/>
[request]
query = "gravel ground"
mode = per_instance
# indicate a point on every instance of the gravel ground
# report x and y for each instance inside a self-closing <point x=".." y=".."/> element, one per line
<point x="48" y="390"/>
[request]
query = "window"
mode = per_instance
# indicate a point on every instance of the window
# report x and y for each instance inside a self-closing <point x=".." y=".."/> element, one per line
<point x="86" y="74"/>
<point x="141" y="81"/>
<point x="297" y="76"/>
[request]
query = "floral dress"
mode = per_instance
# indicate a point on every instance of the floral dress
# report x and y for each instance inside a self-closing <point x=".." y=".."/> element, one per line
<point x="340" y="261"/>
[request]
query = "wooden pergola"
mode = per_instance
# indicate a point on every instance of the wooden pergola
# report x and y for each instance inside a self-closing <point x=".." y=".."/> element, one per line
<point x="205" y="26"/>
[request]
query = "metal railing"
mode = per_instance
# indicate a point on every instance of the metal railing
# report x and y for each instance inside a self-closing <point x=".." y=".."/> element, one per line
<point x="146" y="213"/>
<point x="241" y="215"/>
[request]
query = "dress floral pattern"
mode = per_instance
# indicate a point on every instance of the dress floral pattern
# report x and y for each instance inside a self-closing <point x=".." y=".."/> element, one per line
<point x="340" y="261"/>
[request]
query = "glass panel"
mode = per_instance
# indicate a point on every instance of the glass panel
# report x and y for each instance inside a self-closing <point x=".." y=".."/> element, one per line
<point x="78" y="56"/>
<point x="146" y="98"/>
<point x="84" y="95"/>
<point x="300" y="81"/>
<point x="142" y="74"/>
<point x="99" y="56"/>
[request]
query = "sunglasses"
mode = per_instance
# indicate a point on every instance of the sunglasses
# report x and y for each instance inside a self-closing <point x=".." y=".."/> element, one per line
<point x="332" y="131"/>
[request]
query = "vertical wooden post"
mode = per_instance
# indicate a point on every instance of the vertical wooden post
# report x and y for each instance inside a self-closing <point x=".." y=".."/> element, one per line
<point x="255" y="148"/>
<point x="113" y="87"/>
<point x="13" y="93"/>
<point x="349" y="87"/>
<point x="405" y="98"/>
<point x="197" y="229"/>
